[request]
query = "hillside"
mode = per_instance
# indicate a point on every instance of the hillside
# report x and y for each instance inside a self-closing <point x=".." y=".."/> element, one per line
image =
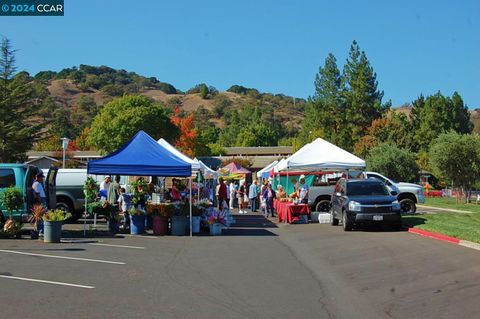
<point x="102" y="84"/>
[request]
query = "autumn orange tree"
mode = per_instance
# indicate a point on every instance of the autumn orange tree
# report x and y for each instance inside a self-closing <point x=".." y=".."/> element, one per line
<point x="186" y="142"/>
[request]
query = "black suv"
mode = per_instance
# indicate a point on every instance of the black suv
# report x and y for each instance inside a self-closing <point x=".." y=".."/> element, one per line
<point x="364" y="201"/>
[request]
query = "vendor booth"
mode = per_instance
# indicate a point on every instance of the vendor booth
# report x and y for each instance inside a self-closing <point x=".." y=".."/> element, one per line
<point x="316" y="157"/>
<point x="142" y="156"/>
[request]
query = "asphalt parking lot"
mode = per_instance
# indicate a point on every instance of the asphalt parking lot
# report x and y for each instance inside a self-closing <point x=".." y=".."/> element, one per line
<point x="252" y="271"/>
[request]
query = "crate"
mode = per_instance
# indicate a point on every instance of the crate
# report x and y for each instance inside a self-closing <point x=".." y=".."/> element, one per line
<point x="324" y="218"/>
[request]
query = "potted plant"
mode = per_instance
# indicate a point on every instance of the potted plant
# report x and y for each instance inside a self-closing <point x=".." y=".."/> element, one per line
<point x="35" y="219"/>
<point x="216" y="221"/>
<point x="110" y="212"/>
<point x="12" y="199"/>
<point x="137" y="221"/>
<point x="160" y="215"/>
<point x="53" y="221"/>
<point x="179" y="220"/>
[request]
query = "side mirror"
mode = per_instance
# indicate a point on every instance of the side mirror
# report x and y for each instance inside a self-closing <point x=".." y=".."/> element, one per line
<point x="394" y="193"/>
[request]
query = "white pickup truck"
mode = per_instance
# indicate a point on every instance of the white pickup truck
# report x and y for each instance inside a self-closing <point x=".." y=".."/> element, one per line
<point x="409" y="195"/>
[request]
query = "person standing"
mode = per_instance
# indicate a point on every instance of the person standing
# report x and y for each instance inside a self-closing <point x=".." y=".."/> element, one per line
<point x="252" y="196"/>
<point x="39" y="197"/>
<point x="114" y="190"/>
<point x="240" y="196"/>
<point x="222" y="194"/>
<point x="233" y="193"/>
<point x="303" y="190"/>
<point x="124" y="202"/>
<point x="104" y="186"/>
<point x="228" y="184"/>
<point x="269" y="195"/>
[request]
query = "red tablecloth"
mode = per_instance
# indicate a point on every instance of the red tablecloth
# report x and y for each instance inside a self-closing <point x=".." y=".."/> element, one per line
<point x="289" y="211"/>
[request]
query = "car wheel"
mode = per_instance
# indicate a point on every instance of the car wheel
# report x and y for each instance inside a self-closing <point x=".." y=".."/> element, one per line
<point x="407" y="206"/>
<point x="347" y="224"/>
<point x="323" y="206"/>
<point x="333" y="220"/>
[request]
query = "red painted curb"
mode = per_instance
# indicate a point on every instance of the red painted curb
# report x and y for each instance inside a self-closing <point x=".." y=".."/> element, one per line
<point x="437" y="236"/>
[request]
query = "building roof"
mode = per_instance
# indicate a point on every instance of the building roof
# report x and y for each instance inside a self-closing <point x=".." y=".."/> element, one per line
<point x="75" y="154"/>
<point x="259" y="150"/>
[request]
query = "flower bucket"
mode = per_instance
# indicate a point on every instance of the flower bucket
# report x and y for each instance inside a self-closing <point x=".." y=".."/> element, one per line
<point x="216" y="229"/>
<point x="148" y="222"/>
<point x="52" y="231"/>
<point x="160" y="225"/>
<point x="179" y="226"/>
<point x="137" y="224"/>
<point x="195" y="224"/>
<point x="113" y="226"/>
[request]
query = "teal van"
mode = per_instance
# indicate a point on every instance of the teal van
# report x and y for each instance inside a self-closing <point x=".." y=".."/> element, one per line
<point x="23" y="176"/>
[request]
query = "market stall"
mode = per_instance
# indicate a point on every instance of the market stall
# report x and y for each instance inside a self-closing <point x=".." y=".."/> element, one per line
<point x="142" y="156"/>
<point x="291" y="212"/>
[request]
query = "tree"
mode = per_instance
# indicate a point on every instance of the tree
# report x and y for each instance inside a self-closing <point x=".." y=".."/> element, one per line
<point x="324" y="112"/>
<point x="120" y="119"/>
<point x="392" y="161"/>
<point x="437" y="114"/>
<point x="17" y="105"/>
<point x="363" y="102"/>
<point x="456" y="158"/>
<point x="188" y="134"/>
<point x="393" y="128"/>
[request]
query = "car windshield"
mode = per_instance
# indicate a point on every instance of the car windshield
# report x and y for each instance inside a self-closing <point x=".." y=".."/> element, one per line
<point x="366" y="189"/>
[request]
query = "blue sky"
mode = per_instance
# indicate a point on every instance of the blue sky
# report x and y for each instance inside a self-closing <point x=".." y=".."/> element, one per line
<point x="275" y="46"/>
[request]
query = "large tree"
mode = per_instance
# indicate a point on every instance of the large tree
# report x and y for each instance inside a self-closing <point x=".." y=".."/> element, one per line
<point x="392" y="161"/>
<point x="456" y="158"/>
<point x="123" y="117"/>
<point x="437" y="114"/>
<point x="18" y="103"/>
<point x="324" y="115"/>
<point x="363" y="101"/>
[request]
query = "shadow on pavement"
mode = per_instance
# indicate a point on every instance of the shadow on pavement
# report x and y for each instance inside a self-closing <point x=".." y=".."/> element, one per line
<point x="252" y="221"/>
<point x="246" y="232"/>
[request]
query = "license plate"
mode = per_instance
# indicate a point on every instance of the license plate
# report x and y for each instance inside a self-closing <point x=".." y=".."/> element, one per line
<point x="377" y="217"/>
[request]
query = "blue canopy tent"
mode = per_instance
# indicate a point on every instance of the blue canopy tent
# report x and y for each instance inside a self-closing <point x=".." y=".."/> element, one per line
<point x="142" y="156"/>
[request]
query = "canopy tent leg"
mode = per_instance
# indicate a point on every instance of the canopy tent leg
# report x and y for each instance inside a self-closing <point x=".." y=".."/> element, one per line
<point x="191" y="207"/>
<point x="285" y="221"/>
<point x="85" y="217"/>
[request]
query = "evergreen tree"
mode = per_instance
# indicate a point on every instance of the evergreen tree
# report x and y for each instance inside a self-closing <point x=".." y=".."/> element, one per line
<point x="438" y="114"/>
<point x="363" y="102"/>
<point x="17" y="103"/>
<point x="324" y="114"/>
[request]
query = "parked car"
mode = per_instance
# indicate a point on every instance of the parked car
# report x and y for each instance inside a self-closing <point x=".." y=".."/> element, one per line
<point x="364" y="201"/>
<point x="22" y="176"/>
<point x="409" y="195"/>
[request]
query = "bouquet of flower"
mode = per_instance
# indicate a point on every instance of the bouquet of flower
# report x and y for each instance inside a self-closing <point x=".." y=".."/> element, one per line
<point x="216" y="217"/>
<point x="158" y="210"/>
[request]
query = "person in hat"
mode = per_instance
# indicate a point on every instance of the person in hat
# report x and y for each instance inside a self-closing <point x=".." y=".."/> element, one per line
<point x="38" y="190"/>
<point x="303" y="190"/>
<point x="104" y="187"/>
<point x="40" y="198"/>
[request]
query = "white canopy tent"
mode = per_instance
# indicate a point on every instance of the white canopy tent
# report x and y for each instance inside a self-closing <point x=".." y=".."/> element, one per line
<point x="279" y="164"/>
<point x="320" y="155"/>
<point x="206" y="171"/>
<point x="195" y="164"/>
<point x="266" y="169"/>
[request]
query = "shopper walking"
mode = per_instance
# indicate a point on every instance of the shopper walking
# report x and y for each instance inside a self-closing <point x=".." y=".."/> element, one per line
<point x="252" y="196"/>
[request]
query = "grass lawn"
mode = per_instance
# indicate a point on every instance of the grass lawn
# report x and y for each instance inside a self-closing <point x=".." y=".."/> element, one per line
<point x="459" y="225"/>
<point x="450" y="203"/>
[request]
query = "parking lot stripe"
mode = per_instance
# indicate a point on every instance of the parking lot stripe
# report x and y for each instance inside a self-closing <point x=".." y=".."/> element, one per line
<point x="63" y="257"/>
<point x="47" y="282"/>
<point x="119" y="246"/>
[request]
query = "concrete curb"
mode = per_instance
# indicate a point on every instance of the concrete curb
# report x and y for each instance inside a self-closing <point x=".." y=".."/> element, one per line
<point x="445" y="238"/>
<point x="445" y="209"/>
